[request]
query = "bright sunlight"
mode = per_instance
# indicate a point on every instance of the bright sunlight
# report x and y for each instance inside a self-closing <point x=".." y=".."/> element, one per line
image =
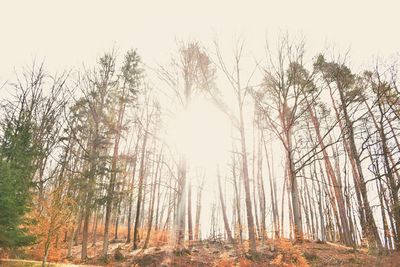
<point x="201" y="133"/>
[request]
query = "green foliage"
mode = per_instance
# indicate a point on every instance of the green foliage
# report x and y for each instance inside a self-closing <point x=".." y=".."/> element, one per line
<point x="132" y="71"/>
<point x="340" y="75"/>
<point x="97" y="118"/>
<point x="16" y="155"/>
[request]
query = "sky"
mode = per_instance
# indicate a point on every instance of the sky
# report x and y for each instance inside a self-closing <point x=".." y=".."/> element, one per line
<point x="67" y="33"/>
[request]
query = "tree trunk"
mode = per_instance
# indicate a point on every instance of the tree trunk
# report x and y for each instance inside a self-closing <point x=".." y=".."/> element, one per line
<point x="372" y="234"/>
<point x="344" y="224"/>
<point x="236" y="181"/>
<point x="140" y="188"/>
<point x="190" y="224"/>
<point x="111" y="188"/>
<point x="198" y="211"/>
<point x="246" y="181"/>
<point x="152" y="200"/>
<point x="225" y="218"/>
<point x="294" y="190"/>
<point x="130" y="203"/>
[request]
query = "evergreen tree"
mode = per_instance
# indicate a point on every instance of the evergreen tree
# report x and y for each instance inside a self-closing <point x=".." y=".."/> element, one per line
<point x="16" y="155"/>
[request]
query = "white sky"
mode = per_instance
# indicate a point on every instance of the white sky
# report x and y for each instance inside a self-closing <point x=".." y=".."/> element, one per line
<point x="67" y="33"/>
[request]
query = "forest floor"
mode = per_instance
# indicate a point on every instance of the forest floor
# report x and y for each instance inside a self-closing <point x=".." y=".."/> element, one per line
<point x="220" y="254"/>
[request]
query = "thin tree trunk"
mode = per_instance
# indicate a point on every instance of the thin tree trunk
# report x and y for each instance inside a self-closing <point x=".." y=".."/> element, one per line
<point x="190" y="224"/>
<point x="152" y="200"/>
<point x="140" y="188"/>
<point x="224" y="217"/>
<point x="236" y="182"/>
<point x="198" y="211"/>
<point x="130" y="203"/>
<point x="344" y="224"/>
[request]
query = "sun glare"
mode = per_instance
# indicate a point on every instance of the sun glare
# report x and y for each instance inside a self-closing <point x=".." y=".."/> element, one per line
<point x="201" y="133"/>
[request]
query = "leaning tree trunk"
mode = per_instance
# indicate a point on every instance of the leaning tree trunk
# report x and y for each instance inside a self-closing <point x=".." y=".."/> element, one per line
<point x="225" y="218"/>
<point x="345" y="233"/>
<point x="372" y="231"/>
<point x="246" y="180"/>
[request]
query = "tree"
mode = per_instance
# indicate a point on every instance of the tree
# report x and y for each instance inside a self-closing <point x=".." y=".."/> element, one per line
<point x="16" y="156"/>
<point x="379" y="95"/>
<point x="149" y="113"/>
<point x="191" y="72"/>
<point x="53" y="218"/>
<point x="279" y="102"/>
<point x="240" y="91"/>
<point x="30" y="130"/>
<point x="223" y="207"/>
<point x="92" y="132"/>
<point x="338" y="76"/>
<point x="125" y="91"/>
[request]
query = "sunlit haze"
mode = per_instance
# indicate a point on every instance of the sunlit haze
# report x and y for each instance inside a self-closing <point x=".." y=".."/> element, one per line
<point x="201" y="133"/>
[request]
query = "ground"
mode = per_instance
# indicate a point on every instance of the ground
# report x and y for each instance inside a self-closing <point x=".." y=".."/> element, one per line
<point x="221" y="254"/>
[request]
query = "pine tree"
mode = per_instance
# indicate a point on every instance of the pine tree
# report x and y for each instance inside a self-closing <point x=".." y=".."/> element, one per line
<point x="16" y="157"/>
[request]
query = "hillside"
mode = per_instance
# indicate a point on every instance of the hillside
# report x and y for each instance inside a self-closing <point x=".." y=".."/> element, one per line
<point x="220" y="254"/>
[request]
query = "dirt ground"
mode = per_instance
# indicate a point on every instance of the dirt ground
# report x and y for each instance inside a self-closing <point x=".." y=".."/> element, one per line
<point x="220" y="254"/>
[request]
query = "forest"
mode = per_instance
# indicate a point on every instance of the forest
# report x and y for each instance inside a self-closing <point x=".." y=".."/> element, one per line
<point x="212" y="158"/>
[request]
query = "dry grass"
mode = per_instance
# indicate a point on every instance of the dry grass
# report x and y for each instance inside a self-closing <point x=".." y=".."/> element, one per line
<point x="280" y="252"/>
<point x="288" y="255"/>
<point x="225" y="261"/>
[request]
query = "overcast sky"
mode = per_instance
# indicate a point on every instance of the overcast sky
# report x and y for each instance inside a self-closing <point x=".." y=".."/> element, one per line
<point x="67" y="33"/>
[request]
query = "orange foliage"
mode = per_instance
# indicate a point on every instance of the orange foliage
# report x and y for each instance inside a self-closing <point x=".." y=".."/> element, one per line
<point x="52" y="217"/>
<point x="289" y="256"/>
<point x="225" y="261"/>
<point x="159" y="238"/>
<point x="245" y="263"/>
